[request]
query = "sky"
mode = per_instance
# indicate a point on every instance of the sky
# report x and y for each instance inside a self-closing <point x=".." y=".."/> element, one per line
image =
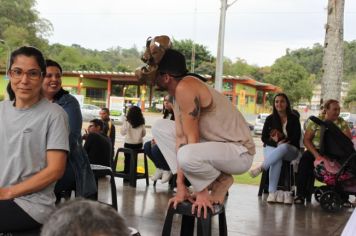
<point x="258" y="31"/>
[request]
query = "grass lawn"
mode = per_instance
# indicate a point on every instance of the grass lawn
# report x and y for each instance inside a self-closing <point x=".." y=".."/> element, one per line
<point x="241" y="179"/>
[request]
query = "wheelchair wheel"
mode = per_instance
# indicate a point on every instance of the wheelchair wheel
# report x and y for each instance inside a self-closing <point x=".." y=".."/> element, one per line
<point x="319" y="191"/>
<point x="330" y="201"/>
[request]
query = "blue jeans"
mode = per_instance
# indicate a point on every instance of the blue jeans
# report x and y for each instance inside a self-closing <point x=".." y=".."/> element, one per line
<point x="274" y="157"/>
<point x="153" y="152"/>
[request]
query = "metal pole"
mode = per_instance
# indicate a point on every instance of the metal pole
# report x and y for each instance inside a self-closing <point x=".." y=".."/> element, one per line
<point x="220" y="51"/>
<point x="192" y="68"/>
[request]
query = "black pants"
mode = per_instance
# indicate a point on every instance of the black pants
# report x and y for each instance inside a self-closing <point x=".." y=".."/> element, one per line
<point x="305" y="173"/>
<point x="13" y="218"/>
<point x="66" y="183"/>
<point x="127" y="156"/>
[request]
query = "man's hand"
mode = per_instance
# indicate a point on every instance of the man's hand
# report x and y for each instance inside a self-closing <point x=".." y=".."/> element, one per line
<point x="182" y="195"/>
<point x="202" y="201"/>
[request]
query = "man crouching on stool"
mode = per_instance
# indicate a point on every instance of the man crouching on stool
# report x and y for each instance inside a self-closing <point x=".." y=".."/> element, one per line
<point x="209" y="140"/>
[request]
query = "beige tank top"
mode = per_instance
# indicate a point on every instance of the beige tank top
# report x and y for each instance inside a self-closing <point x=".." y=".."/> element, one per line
<point x="222" y="122"/>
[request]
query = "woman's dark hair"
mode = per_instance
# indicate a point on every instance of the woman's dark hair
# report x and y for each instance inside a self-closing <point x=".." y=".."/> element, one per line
<point x="135" y="117"/>
<point x="10" y="92"/>
<point x="29" y="52"/>
<point x="288" y="108"/>
<point x="50" y="62"/>
<point x="166" y="112"/>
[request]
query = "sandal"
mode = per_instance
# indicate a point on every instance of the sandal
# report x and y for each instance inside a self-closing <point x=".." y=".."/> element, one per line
<point x="299" y="200"/>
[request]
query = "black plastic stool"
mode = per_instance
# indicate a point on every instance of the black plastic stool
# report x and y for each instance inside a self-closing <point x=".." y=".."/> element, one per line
<point x="132" y="176"/>
<point x="102" y="171"/>
<point x="188" y="220"/>
<point x="286" y="179"/>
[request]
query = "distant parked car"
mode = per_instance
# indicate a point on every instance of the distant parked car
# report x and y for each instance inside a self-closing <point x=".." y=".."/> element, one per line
<point x="260" y="121"/>
<point x="90" y="112"/>
<point x="345" y="115"/>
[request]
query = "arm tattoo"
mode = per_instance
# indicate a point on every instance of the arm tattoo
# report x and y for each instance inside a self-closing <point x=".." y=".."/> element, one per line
<point x="196" y="112"/>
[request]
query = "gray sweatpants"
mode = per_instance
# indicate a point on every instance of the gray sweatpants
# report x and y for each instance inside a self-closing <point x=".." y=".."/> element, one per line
<point x="201" y="162"/>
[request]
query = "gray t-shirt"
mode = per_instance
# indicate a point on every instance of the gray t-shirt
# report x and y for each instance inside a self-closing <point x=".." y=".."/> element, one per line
<point x="25" y="136"/>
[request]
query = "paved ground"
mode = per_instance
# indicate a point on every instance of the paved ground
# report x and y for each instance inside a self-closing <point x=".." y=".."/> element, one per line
<point x="145" y="207"/>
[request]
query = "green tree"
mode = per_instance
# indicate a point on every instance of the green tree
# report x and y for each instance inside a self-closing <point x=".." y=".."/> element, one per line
<point x="292" y="78"/>
<point x="202" y="54"/>
<point x="310" y="58"/>
<point x="20" y="24"/>
<point x="351" y="94"/>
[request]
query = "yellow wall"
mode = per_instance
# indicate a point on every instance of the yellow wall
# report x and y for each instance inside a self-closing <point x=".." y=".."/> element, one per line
<point x="246" y="98"/>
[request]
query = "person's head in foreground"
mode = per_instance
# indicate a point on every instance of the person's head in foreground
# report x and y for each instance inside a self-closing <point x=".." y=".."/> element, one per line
<point x="85" y="218"/>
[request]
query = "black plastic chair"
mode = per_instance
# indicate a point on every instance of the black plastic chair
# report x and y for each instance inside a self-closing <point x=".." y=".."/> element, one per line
<point x="286" y="179"/>
<point x="102" y="171"/>
<point x="188" y="220"/>
<point x="31" y="232"/>
<point x="132" y="176"/>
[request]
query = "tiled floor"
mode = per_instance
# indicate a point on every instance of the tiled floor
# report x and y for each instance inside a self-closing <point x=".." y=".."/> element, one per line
<point x="145" y="207"/>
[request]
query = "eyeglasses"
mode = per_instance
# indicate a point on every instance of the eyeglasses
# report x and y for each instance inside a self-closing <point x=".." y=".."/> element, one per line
<point x="31" y="74"/>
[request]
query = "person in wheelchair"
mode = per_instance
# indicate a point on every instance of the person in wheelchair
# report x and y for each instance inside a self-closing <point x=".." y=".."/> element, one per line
<point x="330" y="113"/>
<point x="281" y="139"/>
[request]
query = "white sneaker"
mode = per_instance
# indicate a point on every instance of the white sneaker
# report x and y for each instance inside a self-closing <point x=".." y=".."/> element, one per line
<point x="157" y="175"/>
<point x="288" y="198"/>
<point x="166" y="176"/>
<point x="255" y="172"/>
<point x="279" y="196"/>
<point x="271" y="197"/>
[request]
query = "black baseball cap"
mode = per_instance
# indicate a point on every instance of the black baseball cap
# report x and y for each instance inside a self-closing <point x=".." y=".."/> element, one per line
<point x="173" y="63"/>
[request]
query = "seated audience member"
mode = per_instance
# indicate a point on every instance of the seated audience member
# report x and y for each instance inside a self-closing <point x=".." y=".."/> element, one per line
<point x="312" y="143"/>
<point x="133" y="128"/>
<point x="85" y="217"/>
<point x="97" y="144"/>
<point x="109" y="127"/>
<point x="152" y="150"/>
<point x="78" y="175"/>
<point x="34" y="134"/>
<point x="281" y="139"/>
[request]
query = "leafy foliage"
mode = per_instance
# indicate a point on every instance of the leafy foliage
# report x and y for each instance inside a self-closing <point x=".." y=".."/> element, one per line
<point x="203" y="58"/>
<point x="351" y="94"/>
<point x="292" y="78"/>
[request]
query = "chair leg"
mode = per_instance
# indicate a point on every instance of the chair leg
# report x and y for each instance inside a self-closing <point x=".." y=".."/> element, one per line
<point x="262" y="187"/>
<point x="187" y="226"/>
<point x="146" y="168"/>
<point x="113" y="191"/>
<point x="167" y="227"/>
<point x="222" y="224"/>
<point x="133" y="167"/>
<point x="204" y="226"/>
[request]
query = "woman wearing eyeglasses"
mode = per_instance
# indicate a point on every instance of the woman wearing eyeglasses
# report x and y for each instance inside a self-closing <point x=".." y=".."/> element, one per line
<point x="78" y="175"/>
<point x="34" y="136"/>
